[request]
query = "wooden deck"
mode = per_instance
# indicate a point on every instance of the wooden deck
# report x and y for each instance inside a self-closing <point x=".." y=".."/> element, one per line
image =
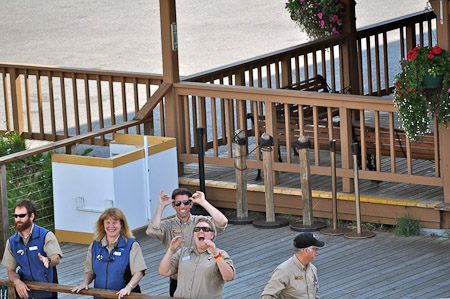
<point x="385" y="266"/>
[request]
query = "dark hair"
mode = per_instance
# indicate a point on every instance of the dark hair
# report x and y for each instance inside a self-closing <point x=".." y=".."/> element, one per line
<point x="29" y="205"/>
<point x="181" y="191"/>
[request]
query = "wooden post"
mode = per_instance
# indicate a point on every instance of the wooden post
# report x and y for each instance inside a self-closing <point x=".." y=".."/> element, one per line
<point x="169" y="46"/>
<point x="16" y="100"/>
<point x="443" y="40"/>
<point x="303" y="145"/>
<point x="241" y="179"/>
<point x="71" y="149"/>
<point x="240" y="165"/>
<point x="286" y="71"/>
<point x="350" y="54"/>
<point x="308" y="224"/>
<point x="266" y="142"/>
<point x="268" y="183"/>
<point x="4" y="219"/>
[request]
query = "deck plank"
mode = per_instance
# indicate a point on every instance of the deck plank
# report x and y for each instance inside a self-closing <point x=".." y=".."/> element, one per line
<point x="385" y="266"/>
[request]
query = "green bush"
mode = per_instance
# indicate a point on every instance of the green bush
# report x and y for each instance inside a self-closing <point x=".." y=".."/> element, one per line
<point x="30" y="178"/>
<point x="407" y="226"/>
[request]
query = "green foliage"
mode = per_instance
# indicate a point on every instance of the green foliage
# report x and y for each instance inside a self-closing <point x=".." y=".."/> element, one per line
<point x="10" y="143"/>
<point x="410" y="96"/>
<point x="407" y="226"/>
<point x="29" y="177"/>
<point x="318" y="18"/>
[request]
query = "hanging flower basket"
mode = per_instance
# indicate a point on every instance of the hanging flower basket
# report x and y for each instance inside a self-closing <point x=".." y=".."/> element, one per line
<point x="415" y="99"/>
<point x="318" y="18"/>
<point x="430" y="81"/>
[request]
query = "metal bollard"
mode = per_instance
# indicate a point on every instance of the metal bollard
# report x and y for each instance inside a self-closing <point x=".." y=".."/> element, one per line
<point x="266" y="142"/>
<point x="308" y="224"/>
<point x="240" y="166"/>
<point x="196" y="209"/>
<point x="358" y="234"/>
<point x="335" y="231"/>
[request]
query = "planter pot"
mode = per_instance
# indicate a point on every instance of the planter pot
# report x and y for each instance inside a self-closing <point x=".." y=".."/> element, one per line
<point x="432" y="82"/>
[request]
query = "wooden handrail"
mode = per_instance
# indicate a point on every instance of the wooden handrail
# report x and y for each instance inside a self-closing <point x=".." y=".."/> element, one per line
<point x="155" y="99"/>
<point x="70" y="141"/>
<point x="60" y="288"/>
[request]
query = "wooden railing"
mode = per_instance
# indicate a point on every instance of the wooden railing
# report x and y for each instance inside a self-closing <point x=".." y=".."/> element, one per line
<point x="324" y="56"/>
<point x="203" y="99"/>
<point x="53" y="103"/>
<point x="60" y="288"/>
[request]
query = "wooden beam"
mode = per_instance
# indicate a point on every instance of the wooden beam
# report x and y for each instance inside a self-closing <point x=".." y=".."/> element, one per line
<point x="154" y="100"/>
<point x="69" y="141"/>
<point x="60" y="288"/>
<point x="4" y="219"/>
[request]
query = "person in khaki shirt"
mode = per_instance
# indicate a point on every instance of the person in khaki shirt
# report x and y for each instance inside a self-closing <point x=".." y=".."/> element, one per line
<point x="34" y="249"/>
<point x="183" y="224"/>
<point x="114" y="259"/>
<point x="296" y="277"/>
<point x="202" y="269"/>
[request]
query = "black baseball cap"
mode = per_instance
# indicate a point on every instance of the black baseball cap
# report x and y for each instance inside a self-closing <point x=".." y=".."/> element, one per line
<point x="306" y="240"/>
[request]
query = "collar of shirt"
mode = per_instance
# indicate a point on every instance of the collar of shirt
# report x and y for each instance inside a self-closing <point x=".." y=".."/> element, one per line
<point x="187" y="222"/>
<point x="105" y="243"/>
<point x="31" y="232"/>
<point x="299" y="264"/>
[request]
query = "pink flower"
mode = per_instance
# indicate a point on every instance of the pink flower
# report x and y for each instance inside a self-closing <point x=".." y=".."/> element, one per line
<point x="334" y="18"/>
<point x="322" y="23"/>
<point x="339" y="21"/>
<point x="287" y="3"/>
<point x="320" y="16"/>
<point x="335" y="31"/>
<point x="342" y="5"/>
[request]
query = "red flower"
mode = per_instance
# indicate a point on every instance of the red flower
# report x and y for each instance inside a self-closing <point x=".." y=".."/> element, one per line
<point x="412" y="55"/>
<point x="436" y="50"/>
<point x="430" y="56"/>
<point x="398" y="84"/>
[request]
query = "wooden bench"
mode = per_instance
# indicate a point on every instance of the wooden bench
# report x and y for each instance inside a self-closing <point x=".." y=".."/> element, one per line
<point x="419" y="150"/>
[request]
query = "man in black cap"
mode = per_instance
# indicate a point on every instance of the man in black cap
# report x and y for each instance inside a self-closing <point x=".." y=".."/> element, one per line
<point x="296" y="277"/>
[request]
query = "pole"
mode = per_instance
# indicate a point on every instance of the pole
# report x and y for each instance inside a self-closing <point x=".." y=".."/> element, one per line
<point x="240" y="165"/>
<point x="335" y="231"/>
<point x="303" y="144"/>
<point x="359" y="234"/>
<point x="266" y="142"/>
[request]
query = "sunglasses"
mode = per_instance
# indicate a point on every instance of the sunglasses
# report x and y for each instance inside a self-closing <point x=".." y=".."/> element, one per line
<point x="203" y="228"/>
<point x="185" y="202"/>
<point x="20" y="215"/>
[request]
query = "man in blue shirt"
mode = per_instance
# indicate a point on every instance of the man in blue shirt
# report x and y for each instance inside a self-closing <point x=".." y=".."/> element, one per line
<point x="34" y="249"/>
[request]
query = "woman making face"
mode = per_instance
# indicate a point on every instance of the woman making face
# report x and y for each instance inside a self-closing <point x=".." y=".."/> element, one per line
<point x="203" y="269"/>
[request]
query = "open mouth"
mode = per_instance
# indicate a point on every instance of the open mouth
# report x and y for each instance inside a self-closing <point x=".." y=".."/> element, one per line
<point x="201" y="238"/>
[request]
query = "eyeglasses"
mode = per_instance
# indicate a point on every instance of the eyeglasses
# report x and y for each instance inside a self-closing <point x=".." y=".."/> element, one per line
<point x="20" y="215"/>
<point x="100" y="258"/>
<point x="185" y="202"/>
<point x="203" y="228"/>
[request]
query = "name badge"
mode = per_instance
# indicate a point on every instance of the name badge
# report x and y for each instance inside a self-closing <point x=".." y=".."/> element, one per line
<point x="33" y="248"/>
<point x="176" y="230"/>
<point x="298" y="277"/>
<point x="186" y="258"/>
<point x="118" y="253"/>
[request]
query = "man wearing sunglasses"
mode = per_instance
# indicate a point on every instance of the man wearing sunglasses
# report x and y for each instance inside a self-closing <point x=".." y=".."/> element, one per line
<point x="34" y="249"/>
<point x="183" y="224"/>
<point x="296" y="277"/>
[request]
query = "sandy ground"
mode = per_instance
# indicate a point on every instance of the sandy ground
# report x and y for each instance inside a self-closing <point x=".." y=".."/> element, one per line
<point x="125" y="35"/>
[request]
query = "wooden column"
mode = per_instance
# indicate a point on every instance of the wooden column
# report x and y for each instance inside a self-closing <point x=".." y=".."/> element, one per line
<point x="16" y="100"/>
<point x="443" y="37"/>
<point x="4" y="220"/>
<point x="350" y="57"/>
<point x="268" y="184"/>
<point x="173" y="108"/>
<point x="286" y="71"/>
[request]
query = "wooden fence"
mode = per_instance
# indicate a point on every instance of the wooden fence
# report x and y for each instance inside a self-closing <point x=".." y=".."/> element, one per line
<point x="60" y="288"/>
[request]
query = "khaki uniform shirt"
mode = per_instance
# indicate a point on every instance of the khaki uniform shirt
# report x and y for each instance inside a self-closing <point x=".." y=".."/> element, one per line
<point x="137" y="262"/>
<point x="51" y="247"/>
<point x="173" y="227"/>
<point x="198" y="273"/>
<point x="292" y="280"/>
